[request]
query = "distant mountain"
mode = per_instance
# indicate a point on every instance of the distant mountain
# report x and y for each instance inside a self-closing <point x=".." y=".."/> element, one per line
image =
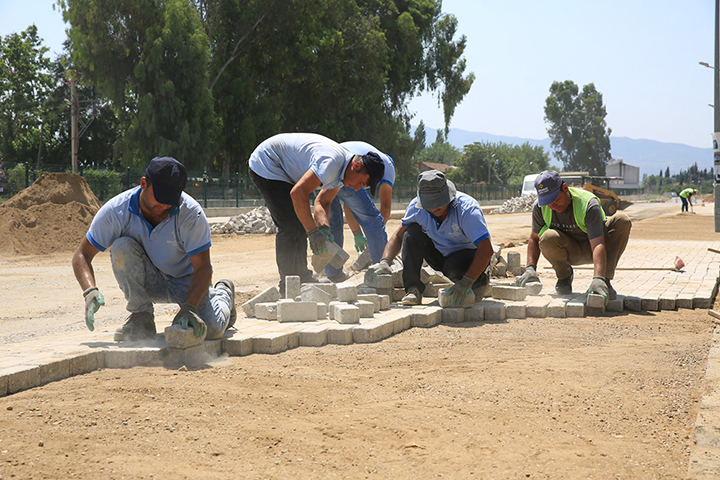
<point x="650" y="156"/>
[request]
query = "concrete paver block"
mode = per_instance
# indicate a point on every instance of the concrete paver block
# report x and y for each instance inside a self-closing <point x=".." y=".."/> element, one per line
<point x="537" y="308"/>
<point x="270" y="294"/>
<point x="633" y="304"/>
<point x="397" y="275"/>
<point x="266" y="311"/>
<point x="433" y="289"/>
<point x="128" y="358"/>
<point x="334" y="256"/>
<point x="340" y="334"/>
<point x="430" y="275"/>
<point x="346" y="292"/>
<point x="322" y="311"/>
<point x="427" y="317"/>
<point x="378" y="281"/>
<point x="575" y="308"/>
<point x="275" y="342"/>
<point x="310" y="293"/>
<point x="374" y="299"/>
<point x="505" y="292"/>
<point x="238" y="345"/>
<point x="684" y="300"/>
<point x="314" y="336"/>
<point x="291" y="311"/>
<point x="178" y="337"/>
<point x="453" y="315"/>
<point x="595" y="300"/>
<point x="22" y="377"/>
<point x="617" y="305"/>
<point x="476" y="313"/>
<point x="514" y="263"/>
<point x="384" y="301"/>
<point x="667" y="303"/>
<point x="85" y="363"/>
<point x="363" y="261"/>
<point x="398" y="294"/>
<point x="515" y="310"/>
<point x="331" y="308"/>
<point x="494" y="311"/>
<point x="292" y="286"/>
<point x="533" y="288"/>
<point x="373" y="331"/>
<point x="704" y="301"/>
<point x="346" y="314"/>
<point x="329" y="288"/>
<point x="650" y="304"/>
<point x="364" y="290"/>
<point x="367" y="309"/>
<point x="556" y="309"/>
<point x="446" y="300"/>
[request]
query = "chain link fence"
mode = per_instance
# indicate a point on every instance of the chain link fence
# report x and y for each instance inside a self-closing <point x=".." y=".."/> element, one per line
<point x="209" y="189"/>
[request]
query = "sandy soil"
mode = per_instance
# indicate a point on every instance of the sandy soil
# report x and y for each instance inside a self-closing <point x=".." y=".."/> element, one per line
<point x="611" y="396"/>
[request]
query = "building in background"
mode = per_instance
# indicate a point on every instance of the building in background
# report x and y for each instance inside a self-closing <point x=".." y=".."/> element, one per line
<point x="625" y="178"/>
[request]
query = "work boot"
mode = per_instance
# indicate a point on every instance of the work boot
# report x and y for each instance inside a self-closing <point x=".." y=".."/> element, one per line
<point x="612" y="294"/>
<point x="139" y="326"/>
<point x="412" y="297"/>
<point x="564" y="285"/>
<point x="230" y="287"/>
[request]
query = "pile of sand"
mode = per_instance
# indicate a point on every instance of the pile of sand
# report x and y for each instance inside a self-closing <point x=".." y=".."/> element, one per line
<point x="52" y="215"/>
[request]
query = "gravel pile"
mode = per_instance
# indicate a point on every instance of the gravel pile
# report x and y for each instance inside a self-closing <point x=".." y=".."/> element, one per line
<point x="517" y="205"/>
<point x="255" y="221"/>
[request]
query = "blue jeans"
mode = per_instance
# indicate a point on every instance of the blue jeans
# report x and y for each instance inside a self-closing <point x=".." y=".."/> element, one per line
<point x="366" y="214"/>
<point x="144" y="285"/>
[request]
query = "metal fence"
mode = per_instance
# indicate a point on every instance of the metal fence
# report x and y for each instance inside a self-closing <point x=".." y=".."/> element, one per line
<point x="209" y="189"/>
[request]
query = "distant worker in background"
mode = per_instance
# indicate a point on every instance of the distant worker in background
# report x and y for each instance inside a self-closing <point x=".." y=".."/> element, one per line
<point x="569" y="227"/>
<point x="447" y="229"/>
<point x="286" y="169"/>
<point x="686" y="197"/>
<point x="366" y="222"/>
<point x="159" y="242"/>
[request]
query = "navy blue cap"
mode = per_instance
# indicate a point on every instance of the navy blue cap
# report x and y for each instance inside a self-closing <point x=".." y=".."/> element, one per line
<point x="168" y="177"/>
<point x="548" y="185"/>
<point x="375" y="167"/>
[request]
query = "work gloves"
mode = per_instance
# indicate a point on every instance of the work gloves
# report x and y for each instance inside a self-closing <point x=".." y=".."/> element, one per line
<point x="599" y="285"/>
<point x="188" y="317"/>
<point x="360" y="241"/>
<point x="530" y="276"/>
<point x="380" y="268"/>
<point x="93" y="301"/>
<point x="459" y="291"/>
<point x="319" y="237"/>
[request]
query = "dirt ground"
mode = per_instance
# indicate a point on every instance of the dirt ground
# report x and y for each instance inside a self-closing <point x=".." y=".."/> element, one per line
<point x="603" y="397"/>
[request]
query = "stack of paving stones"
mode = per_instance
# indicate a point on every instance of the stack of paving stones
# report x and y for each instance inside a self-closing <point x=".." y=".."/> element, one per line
<point x="516" y="205"/>
<point x="257" y="220"/>
<point x="345" y="313"/>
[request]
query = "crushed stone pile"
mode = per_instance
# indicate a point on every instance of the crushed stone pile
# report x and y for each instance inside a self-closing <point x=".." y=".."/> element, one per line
<point x="516" y="205"/>
<point x="51" y="215"/>
<point x="257" y="220"/>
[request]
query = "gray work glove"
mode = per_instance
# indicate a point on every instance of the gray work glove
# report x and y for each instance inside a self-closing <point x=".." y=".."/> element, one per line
<point x="380" y="268"/>
<point x="188" y="317"/>
<point x="93" y="301"/>
<point x="319" y="237"/>
<point x="530" y="276"/>
<point x="460" y="290"/>
<point x="599" y="285"/>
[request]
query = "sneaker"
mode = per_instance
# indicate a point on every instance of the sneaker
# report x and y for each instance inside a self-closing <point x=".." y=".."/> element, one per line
<point x="612" y="294"/>
<point x="229" y="285"/>
<point x="139" y="326"/>
<point x="412" y="297"/>
<point x="339" y="278"/>
<point x="564" y="285"/>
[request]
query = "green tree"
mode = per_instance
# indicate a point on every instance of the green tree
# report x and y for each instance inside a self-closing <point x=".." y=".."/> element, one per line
<point x="150" y="59"/>
<point x="577" y="129"/>
<point x="25" y="84"/>
<point x="505" y="163"/>
<point x="439" y="152"/>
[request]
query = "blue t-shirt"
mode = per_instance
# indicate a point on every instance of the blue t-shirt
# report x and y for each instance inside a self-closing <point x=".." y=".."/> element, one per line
<point x="463" y="228"/>
<point x="169" y="245"/>
<point x="361" y="148"/>
<point x="288" y="156"/>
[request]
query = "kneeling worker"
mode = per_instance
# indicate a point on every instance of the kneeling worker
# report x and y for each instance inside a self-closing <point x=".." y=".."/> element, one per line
<point x="447" y="229"/>
<point x="569" y="228"/>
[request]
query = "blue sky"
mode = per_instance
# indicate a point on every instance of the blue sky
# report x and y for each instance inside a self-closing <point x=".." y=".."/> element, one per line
<point x="642" y="55"/>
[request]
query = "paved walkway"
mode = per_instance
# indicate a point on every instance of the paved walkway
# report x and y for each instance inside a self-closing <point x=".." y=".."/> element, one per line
<point x="645" y="281"/>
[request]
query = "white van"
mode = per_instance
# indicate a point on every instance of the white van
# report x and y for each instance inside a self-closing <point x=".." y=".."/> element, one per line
<point x="528" y="186"/>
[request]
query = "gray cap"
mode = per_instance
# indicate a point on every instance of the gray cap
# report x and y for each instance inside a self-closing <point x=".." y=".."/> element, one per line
<point x="434" y="190"/>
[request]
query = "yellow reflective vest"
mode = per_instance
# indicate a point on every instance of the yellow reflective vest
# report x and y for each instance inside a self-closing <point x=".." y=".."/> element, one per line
<point x="580" y="200"/>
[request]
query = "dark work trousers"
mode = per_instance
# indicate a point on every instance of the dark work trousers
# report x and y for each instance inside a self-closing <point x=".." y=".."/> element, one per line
<point x="418" y="246"/>
<point x="291" y="239"/>
<point x="684" y="207"/>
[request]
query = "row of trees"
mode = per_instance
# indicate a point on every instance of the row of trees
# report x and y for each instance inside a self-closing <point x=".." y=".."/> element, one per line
<point x="207" y="80"/>
<point x="693" y="177"/>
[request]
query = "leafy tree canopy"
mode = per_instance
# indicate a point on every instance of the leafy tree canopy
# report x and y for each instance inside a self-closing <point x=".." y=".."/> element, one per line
<point x="576" y="126"/>
<point x="499" y="162"/>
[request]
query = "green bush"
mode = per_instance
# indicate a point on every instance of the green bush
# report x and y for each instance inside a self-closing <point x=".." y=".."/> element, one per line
<point x="105" y="184"/>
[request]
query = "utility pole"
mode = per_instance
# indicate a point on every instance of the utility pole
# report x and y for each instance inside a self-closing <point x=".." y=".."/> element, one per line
<point x="74" y="113"/>
<point x="716" y="111"/>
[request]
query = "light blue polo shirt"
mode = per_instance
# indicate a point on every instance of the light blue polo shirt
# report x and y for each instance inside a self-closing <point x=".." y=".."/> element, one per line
<point x="288" y="156"/>
<point x="463" y="228"/>
<point x="361" y="148"/>
<point x="184" y="233"/>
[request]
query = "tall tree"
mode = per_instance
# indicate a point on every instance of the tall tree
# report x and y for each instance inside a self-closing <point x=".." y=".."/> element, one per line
<point x="25" y="84"/>
<point x="150" y="59"/>
<point x="576" y="126"/>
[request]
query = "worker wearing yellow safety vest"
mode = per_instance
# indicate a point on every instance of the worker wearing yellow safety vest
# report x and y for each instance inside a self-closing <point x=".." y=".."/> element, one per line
<point x="569" y="228"/>
<point x="686" y="197"/>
